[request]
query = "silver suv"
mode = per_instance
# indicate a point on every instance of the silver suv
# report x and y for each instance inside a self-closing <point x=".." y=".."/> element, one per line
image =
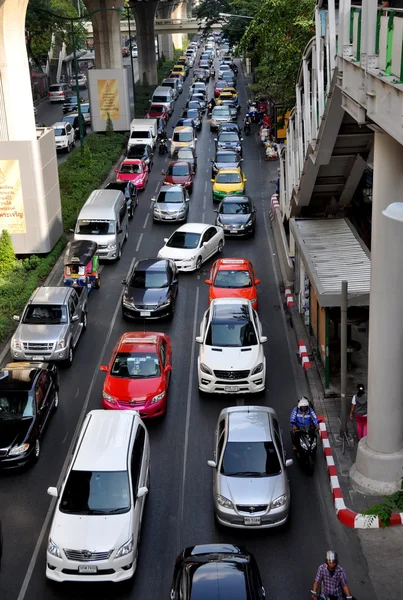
<point x="59" y="92"/>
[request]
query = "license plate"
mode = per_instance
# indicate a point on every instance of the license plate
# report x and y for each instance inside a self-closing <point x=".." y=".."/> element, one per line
<point x="89" y="569"/>
<point x="168" y="218"/>
<point x="38" y="358"/>
<point x="145" y="313"/>
<point x="231" y="388"/>
<point x="251" y="521"/>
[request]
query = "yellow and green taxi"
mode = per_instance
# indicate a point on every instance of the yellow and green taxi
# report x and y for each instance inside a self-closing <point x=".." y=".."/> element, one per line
<point x="230" y="90"/>
<point x="228" y="182"/>
<point x="183" y="60"/>
<point x="226" y="96"/>
<point x="180" y="69"/>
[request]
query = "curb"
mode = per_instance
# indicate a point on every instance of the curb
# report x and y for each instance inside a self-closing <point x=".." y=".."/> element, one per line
<point x="274" y="205"/>
<point x="303" y="352"/>
<point x="344" y="514"/>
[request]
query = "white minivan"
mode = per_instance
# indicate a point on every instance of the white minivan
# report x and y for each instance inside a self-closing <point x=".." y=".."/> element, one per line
<point x="104" y="219"/>
<point x="97" y="521"/>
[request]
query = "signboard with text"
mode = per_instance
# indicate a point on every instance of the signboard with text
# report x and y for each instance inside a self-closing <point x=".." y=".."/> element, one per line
<point x="108" y="94"/>
<point x="12" y="215"/>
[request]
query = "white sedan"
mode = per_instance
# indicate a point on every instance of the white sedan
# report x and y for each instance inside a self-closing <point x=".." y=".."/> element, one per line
<point x="231" y="358"/>
<point x="192" y="244"/>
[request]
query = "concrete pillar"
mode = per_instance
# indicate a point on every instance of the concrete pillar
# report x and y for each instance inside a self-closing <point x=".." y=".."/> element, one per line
<point x="379" y="463"/>
<point x="106" y="32"/>
<point x="165" y="42"/>
<point x="144" y="14"/>
<point x="179" y="38"/>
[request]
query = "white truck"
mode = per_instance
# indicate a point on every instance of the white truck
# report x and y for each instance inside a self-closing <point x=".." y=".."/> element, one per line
<point x="143" y="131"/>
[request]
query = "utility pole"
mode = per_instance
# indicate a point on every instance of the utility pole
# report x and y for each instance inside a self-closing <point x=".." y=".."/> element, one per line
<point x="343" y="357"/>
<point x="80" y="117"/>
<point x="131" y="60"/>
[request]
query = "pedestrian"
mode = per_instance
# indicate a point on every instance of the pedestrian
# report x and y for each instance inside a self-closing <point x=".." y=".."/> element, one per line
<point x="331" y="579"/>
<point x="359" y="407"/>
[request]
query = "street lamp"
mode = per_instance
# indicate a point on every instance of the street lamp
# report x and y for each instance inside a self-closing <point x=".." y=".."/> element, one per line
<point x="127" y="9"/>
<point x="236" y="16"/>
<point x="394" y="211"/>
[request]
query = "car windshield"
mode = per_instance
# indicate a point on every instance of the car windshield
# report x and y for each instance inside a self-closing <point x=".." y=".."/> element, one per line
<point x="96" y="493"/>
<point x="232" y="330"/>
<point x="183" y="136"/>
<point x="160" y="99"/>
<point x="45" y="314"/>
<point x="131" y="169"/>
<point x="69" y="119"/>
<point x="192" y="113"/>
<point x="136" y="365"/>
<point x="95" y="227"/>
<point x="233" y="279"/>
<point x="85" y="109"/>
<point x="136" y="151"/>
<point x="56" y="88"/>
<point x="143" y="280"/>
<point x="184" y="239"/>
<point x="226" y="157"/>
<point x="185" y="154"/>
<point x="72" y="100"/>
<point x="235" y="208"/>
<point x="194" y="104"/>
<point x="174" y="197"/>
<point x="158" y="109"/>
<point x="229" y="103"/>
<point x="228" y="178"/>
<point x="228" y="136"/>
<point x="180" y="170"/>
<point x="250" y="459"/>
<point x="59" y="131"/>
<point x="141" y="135"/>
<point x="15" y="405"/>
<point x="221" y="111"/>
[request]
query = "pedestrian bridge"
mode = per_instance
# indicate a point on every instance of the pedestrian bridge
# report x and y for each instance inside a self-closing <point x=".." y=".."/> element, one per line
<point x="190" y="25"/>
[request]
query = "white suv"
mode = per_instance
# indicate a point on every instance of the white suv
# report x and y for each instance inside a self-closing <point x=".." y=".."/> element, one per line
<point x="231" y="358"/>
<point x="64" y="136"/>
<point x="97" y="521"/>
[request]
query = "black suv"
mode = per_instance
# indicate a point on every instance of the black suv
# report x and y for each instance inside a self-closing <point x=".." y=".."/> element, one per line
<point x="71" y="104"/>
<point x="215" y="572"/>
<point x="29" y="392"/>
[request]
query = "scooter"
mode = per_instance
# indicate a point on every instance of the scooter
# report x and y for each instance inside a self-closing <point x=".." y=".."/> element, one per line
<point x="246" y="128"/>
<point x="163" y="146"/>
<point x="210" y="107"/>
<point x="305" y="441"/>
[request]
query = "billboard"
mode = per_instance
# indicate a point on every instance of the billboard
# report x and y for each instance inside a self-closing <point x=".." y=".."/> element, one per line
<point x="108" y="94"/>
<point x="12" y="215"/>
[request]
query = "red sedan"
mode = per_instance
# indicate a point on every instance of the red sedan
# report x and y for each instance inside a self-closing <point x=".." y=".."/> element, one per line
<point x="158" y="111"/>
<point x="138" y="374"/>
<point x="135" y="170"/>
<point x="233" y="278"/>
<point x="179" y="173"/>
<point x="219" y="87"/>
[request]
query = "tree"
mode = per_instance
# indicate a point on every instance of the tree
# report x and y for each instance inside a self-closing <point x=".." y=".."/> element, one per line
<point x="209" y="10"/>
<point x="7" y="256"/>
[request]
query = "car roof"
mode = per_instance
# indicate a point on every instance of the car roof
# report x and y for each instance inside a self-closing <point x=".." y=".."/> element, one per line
<point x="181" y="128"/>
<point x="194" y="227"/>
<point x="250" y="423"/>
<point x="178" y="162"/>
<point x="49" y="295"/>
<point x="220" y="579"/>
<point x="230" y="198"/>
<point x="59" y="124"/>
<point x="168" y="189"/>
<point x="18" y="378"/>
<point x="137" y="341"/>
<point x="107" y="433"/>
<point x="233" y="264"/>
<point x="131" y="161"/>
<point x="151" y="264"/>
<point x="235" y="170"/>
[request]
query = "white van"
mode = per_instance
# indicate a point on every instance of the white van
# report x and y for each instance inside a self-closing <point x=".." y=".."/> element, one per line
<point x="97" y="521"/>
<point x="165" y="96"/>
<point x="104" y="219"/>
<point x="143" y="131"/>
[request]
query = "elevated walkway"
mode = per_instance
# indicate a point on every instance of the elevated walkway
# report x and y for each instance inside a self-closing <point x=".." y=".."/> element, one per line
<point x="190" y="25"/>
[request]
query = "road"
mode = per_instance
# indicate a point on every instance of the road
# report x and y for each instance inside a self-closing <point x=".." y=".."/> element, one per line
<point x="179" y="507"/>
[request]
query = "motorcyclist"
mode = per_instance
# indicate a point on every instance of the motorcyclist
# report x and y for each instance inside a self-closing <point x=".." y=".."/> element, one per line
<point x="302" y="415"/>
<point x="163" y="142"/>
<point x="246" y="123"/>
<point x="331" y="579"/>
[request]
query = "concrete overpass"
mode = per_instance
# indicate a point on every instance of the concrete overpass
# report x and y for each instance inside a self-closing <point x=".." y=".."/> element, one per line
<point x="163" y="26"/>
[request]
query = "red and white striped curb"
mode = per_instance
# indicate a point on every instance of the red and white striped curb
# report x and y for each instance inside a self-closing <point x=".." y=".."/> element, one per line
<point x="289" y="298"/>
<point x="303" y="354"/>
<point x="274" y="205"/>
<point x="344" y="514"/>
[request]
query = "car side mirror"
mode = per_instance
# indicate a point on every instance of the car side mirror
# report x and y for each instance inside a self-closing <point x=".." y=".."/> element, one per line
<point x="289" y="462"/>
<point x="120" y="230"/>
<point x="170" y="139"/>
<point x="263" y="339"/>
<point x="71" y="230"/>
<point x="124" y="281"/>
<point x="52" y="491"/>
<point x="257" y="281"/>
<point x="103" y="368"/>
<point x="163" y="172"/>
<point x="241" y="139"/>
<point x="142" y="491"/>
<point x="212" y="180"/>
<point x="212" y="464"/>
<point x="16" y="317"/>
<point x="216" y="210"/>
<point x="74" y="318"/>
<point x="199" y="340"/>
<point x="168" y="368"/>
<point x="116" y="170"/>
<point x="166" y="239"/>
<point x="215" y="139"/>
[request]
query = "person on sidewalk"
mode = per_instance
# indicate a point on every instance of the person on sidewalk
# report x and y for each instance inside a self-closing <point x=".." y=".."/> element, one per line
<point x="331" y="579"/>
<point x="302" y="415"/>
<point x="359" y="407"/>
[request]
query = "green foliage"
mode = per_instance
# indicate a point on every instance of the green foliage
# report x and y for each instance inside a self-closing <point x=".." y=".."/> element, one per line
<point x="7" y="256"/>
<point x="385" y="509"/>
<point x="109" y="125"/>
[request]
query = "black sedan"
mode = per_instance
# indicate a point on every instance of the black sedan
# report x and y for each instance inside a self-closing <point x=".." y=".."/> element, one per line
<point x="195" y="114"/>
<point x="201" y="75"/>
<point x="130" y="193"/>
<point x="225" y="159"/>
<point x="150" y="290"/>
<point x="71" y="104"/>
<point x="229" y="140"/>
<point x="141" y="152"/>
<point x="216" y="571"/>
<point x="237" y="216"/>
<point x="229" y="126"/>
<point x="29" y="392"/>
<point x="187" y="154"/>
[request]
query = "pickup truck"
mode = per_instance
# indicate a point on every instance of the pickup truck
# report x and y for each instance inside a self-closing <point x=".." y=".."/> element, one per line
<point x="51" y="325"/>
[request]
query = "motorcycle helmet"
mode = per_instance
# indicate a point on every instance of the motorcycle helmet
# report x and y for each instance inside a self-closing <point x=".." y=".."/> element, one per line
<point x="303" y="401"/>
<point x="331" y="556"/>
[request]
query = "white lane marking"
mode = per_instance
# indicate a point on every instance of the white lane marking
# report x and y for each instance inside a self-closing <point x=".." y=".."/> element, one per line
<point x="203" y="217"/>
<point x="139" y="242"/>
<point x="205" y="184"/>
<point x="146" y="221"/>
<point x="188" y="412"/>
<point x="157" y="188"/>
<point x="151" y="204"/>
<point x="49" y="514"/>
<point x="204" y="202"/>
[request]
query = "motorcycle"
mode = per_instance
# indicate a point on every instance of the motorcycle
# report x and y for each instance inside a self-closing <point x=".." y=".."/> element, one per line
<point x="246" y="128"/>
<point x="305" y="442"/>
<point x="212" y="72"/>
<point x="163" y="146"/>
<point x="210" y="107"/>
<point x="321" y="596"/>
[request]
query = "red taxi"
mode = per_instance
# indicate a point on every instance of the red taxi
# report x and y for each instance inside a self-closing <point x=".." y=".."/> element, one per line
<point x="233" y="278"/>
<point x="135" y="170"/>
<point x="158" y="111"/>
<point x="138" y="374"/>
<point x="179" y="173"/>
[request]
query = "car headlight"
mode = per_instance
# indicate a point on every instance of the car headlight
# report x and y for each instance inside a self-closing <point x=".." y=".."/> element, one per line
<point x="257" y="369"/>
<point x="191" y="258"/>
<point x="253" y="300"/>
<point x="125" y="549"/>
<point x="224" y="502"/>
<point x="128" y="301"/>
<point x="157" y="398"/>
<point x="205" y="369"/>
<point x="61" y="344"/>
<point x="108" y="398"/>
<point x="111" y="246"/>
<point x="17" y="344"/>
<point x="163" y="304"/>
<point x="18" y="450"/>
<point x="53" y="549"/>
<point x="278" y="502"/>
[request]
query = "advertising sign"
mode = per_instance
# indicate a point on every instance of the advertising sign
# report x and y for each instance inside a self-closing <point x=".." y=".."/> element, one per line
<point x="12" y="215"/>
<point x="108" y="94"/>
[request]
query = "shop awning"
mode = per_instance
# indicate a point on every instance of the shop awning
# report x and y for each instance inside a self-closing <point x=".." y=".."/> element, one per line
<point x="332" y="252"/>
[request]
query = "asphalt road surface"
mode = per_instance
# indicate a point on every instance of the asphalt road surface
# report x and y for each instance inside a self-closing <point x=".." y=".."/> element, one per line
<point x="179" y="510"/>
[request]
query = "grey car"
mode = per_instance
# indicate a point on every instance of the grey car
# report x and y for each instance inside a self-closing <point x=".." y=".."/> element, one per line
<point x="220" y="114"/>
<point x="225" y="159"/>
<point x="172" y="204"/>
<point x="250" y="483"/>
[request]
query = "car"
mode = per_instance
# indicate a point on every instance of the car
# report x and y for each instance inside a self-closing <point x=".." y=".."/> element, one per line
<point x="59" y="92"/>
<point x="219" y="86"/>
<point x="71" y="104"/>
<point x="224" y="68"/>
<point x="216" y="572"/>
<point x="74" y="121"/>
<point x="158" y="111"/>
<point x="229" y="126"/>
<point x="233" y="278"/>
<point x="135" y="170"/>
<point x="182" y="122"/>
<point x="229" y="78"/>
<point x="250" y="482"/>
<point x="199" y="86"/>
<point x="86" y="112"/>
<point x="198" y="97"/>
<point x="82" y="81"/>
<point x="237" y="216"/>
<point x="220" y="114"/>
<point x="180" y="80"/>
<point x="179" y="69"/>
<point x="173" y="84"/>
<point x="229" y="140"/>
<point x="183" y="60"/>
<point x="135" y="52"/>
<point x="228" y="182"/>
<point x="201" y="75"/>
<point x="195" y="114"/>
<point x="226" y="95"/>
<point x="232" y="108"/>
<point x="186" y="154"/>
<point x="142" y="152"/>
<point x="195" y="105"/>
<point x="138" y="374"/>
<point x="183" y="137"/>
<point x="171" y="204"/>
<point x="65" y="138"/>
<point x="130" y="193"/>
<point x="225" y="159"/>
<point x="204" y="64"/>
<point x="179" y="173"/>
<point x="29" y="394"/>
<point x="231" y="358"/>
<point x="192" y="244"/>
